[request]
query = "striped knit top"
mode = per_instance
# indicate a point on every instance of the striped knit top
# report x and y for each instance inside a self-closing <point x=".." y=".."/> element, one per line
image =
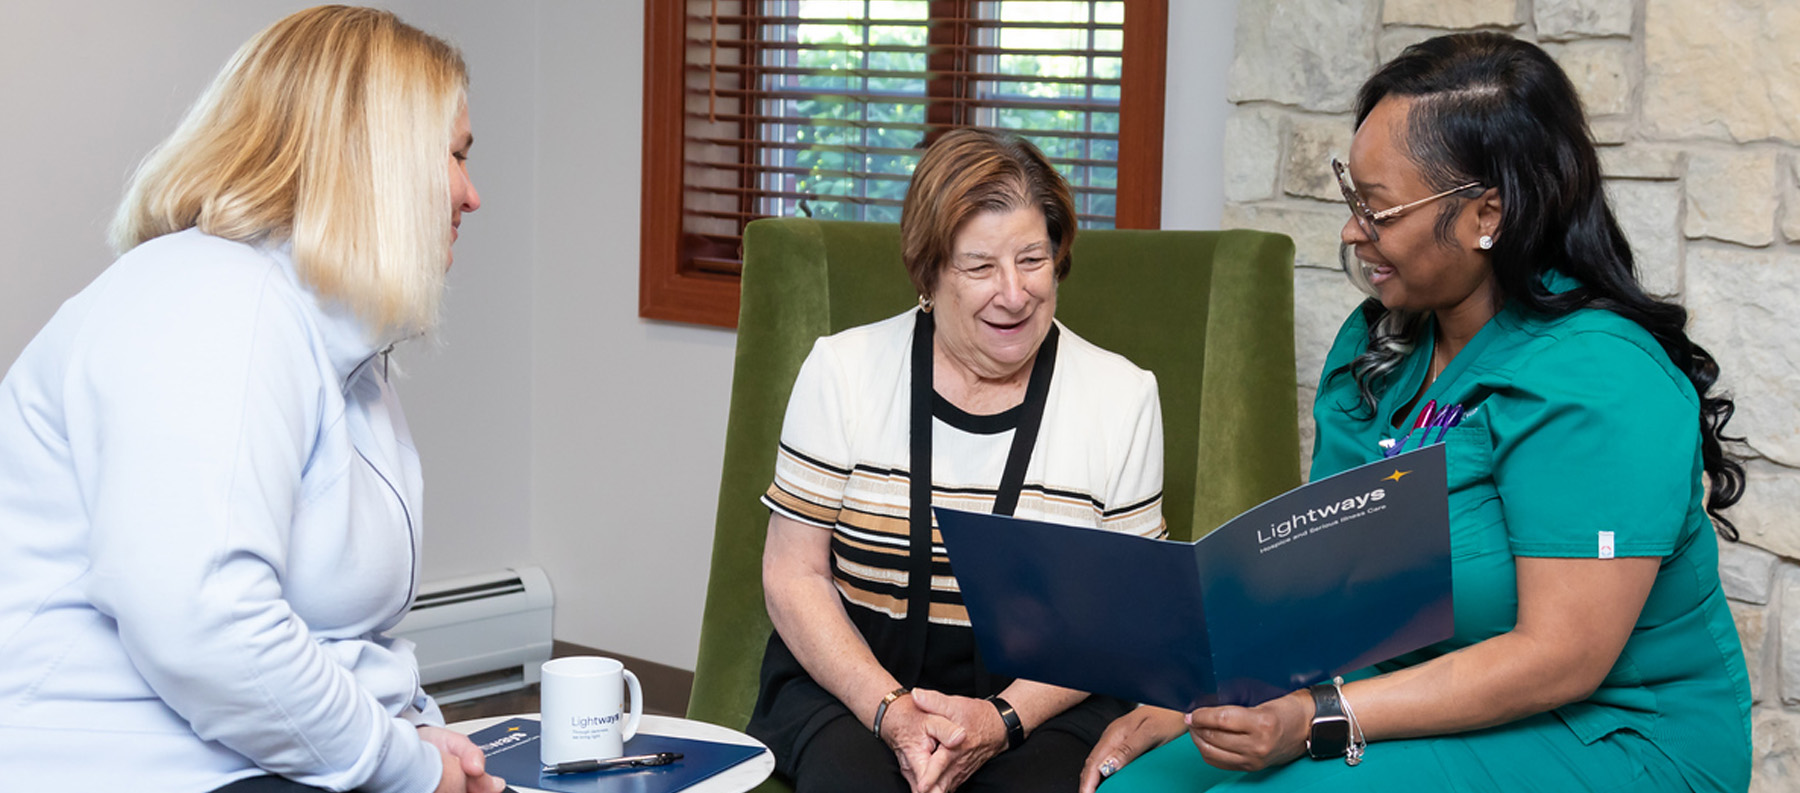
<point x="843" y="460"/>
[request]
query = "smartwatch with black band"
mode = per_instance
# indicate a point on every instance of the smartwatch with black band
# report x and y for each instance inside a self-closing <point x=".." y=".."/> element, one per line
<point x="1015" y="731"/>
<point x="1330" y="736"/>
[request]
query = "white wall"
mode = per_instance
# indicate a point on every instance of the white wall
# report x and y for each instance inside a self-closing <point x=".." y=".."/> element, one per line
<point x="1194" y="110"/>
<point x="556" y="427"/>
<point x="629" y="414"/>
<point x="84" y="93"/>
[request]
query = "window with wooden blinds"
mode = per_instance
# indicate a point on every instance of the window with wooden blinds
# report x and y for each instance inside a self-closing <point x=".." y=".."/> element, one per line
<point x="821" y="108"/>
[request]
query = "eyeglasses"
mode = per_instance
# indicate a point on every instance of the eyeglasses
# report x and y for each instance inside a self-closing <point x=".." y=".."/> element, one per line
<point x="1367" y="218"/>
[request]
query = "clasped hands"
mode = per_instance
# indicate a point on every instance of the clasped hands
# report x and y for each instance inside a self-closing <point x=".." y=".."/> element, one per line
<point x="940" y="739"/>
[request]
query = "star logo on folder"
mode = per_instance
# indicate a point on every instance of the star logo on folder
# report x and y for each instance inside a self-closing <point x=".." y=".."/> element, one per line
<point x="1395" y="476"/>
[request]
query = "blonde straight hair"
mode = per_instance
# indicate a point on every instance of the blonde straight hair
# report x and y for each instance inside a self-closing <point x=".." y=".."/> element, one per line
<point x="331" y="130"/>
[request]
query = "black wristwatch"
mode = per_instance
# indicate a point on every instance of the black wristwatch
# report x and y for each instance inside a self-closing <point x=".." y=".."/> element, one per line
<point x="1330" y="736"/>
<point x="1015" y="731"/>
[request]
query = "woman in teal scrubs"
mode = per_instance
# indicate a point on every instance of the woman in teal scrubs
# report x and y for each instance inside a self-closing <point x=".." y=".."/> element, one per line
<point x="1593" y="648"/>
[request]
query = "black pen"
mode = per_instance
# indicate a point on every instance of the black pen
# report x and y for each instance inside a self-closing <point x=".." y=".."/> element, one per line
<point x="633" y="761"/>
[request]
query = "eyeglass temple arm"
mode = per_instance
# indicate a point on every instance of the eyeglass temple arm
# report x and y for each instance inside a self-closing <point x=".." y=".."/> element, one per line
<point x="1392" y="211"/>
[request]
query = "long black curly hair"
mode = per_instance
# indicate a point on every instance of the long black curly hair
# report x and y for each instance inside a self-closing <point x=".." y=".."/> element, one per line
<point x="1489" y="108"/>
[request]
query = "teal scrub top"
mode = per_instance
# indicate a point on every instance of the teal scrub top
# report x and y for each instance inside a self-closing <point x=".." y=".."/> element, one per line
<point x="1574" y="426"/>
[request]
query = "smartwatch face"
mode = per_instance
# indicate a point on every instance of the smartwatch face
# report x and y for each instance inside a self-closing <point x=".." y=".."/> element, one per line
<point x="1330" y="737"/>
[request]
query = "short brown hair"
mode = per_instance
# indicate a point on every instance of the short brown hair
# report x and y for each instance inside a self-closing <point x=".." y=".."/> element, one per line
<point x="969" y="171"/>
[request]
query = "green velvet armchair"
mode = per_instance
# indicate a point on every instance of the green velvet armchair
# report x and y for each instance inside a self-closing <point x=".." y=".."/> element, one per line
<point x="1210" y="312"/>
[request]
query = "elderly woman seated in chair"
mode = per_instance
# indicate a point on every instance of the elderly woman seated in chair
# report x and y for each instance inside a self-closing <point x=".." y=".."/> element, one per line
<point x="978" y="400"/>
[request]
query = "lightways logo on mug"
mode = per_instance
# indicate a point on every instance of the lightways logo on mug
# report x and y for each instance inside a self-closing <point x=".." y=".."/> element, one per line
<point x="583" y="705"/>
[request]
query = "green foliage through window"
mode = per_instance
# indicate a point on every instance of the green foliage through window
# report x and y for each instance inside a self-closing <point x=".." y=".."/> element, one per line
<point x="846" y="103"/>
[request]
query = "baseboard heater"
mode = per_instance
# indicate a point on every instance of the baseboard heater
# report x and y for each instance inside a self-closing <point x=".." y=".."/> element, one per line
<point x="481" y="634"/>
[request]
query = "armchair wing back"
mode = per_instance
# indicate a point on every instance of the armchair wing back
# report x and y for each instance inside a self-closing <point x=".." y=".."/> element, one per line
<point x="1210" y="312"/>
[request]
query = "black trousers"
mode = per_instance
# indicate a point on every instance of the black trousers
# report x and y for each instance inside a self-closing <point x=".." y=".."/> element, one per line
<point x="844" y="756"/>
<point x="275" y="784"/>
<point x="268" y="784"/>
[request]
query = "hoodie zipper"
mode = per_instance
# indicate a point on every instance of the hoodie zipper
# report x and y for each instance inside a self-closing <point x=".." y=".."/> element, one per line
<point x="412" y="545"/>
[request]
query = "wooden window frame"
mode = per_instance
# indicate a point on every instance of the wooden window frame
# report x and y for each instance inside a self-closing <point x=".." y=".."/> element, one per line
<point x="668" y="292"/>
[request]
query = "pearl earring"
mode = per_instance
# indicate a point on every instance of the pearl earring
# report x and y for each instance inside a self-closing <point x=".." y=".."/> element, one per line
<point x="1485" y="243"/>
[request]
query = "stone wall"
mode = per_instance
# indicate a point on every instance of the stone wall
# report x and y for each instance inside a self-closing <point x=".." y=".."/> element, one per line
<point x="1697" y="108"/>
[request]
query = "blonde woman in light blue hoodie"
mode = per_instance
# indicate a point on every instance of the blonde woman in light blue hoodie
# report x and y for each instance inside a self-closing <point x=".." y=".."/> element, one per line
<point x="209" y="499"/>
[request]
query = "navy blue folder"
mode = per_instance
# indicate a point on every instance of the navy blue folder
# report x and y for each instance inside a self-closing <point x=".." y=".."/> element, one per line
<point x="512" y="753"/>
<point x="1330" y="577"/>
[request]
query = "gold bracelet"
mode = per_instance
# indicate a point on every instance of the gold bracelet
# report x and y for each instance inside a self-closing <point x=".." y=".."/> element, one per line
<point x="881" y="710"/>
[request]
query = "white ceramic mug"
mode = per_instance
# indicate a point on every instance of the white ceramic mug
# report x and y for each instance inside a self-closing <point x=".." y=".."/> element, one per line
<point x="583" y="709"/>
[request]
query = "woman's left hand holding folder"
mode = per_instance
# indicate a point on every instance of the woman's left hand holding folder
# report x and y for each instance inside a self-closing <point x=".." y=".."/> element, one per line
<point x="1128" y="737"/>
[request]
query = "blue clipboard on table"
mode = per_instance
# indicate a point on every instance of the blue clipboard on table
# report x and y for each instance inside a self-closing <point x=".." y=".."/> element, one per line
<point x="1330" y="577"/>
<point x="512" y="753"/>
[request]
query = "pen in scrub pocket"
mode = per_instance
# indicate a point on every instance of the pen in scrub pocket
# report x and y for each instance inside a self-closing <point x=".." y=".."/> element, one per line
<point x="1424" y="419"/>
<point x="1430" y="418"/>
<point x="1449" y="418"/>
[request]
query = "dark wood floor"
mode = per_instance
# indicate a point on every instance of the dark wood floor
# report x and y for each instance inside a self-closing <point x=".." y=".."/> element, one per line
<point x="666" y="689"/>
